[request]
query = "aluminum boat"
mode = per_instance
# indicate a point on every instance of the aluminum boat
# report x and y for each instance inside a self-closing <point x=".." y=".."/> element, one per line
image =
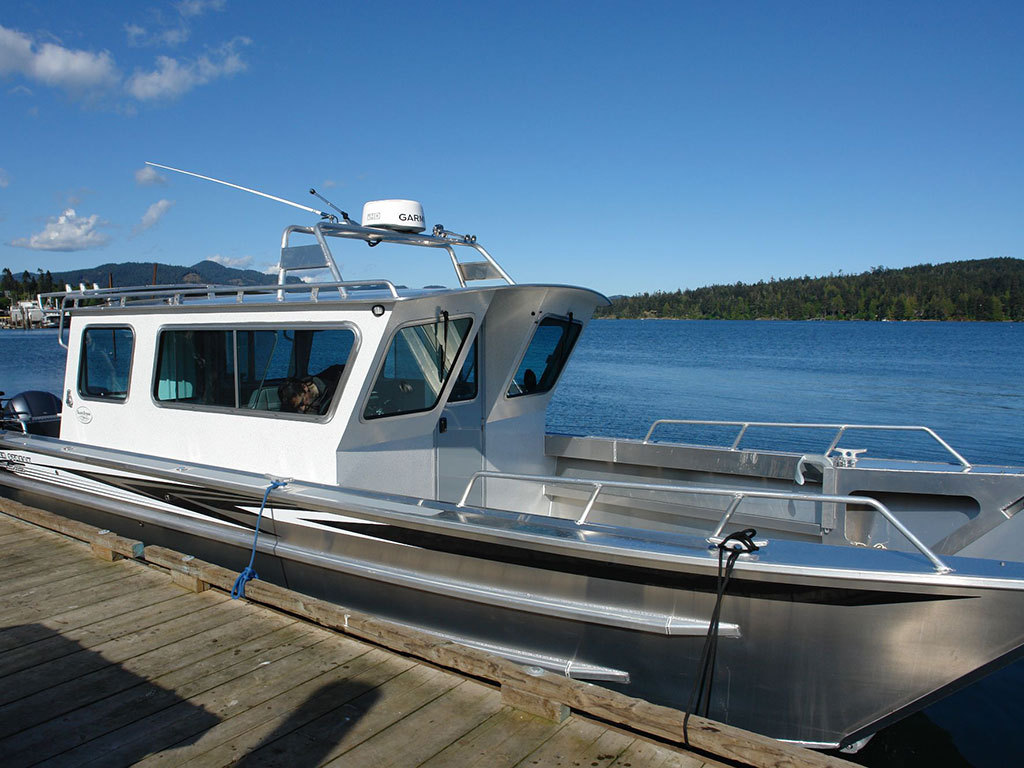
<point x="403" y="434"/>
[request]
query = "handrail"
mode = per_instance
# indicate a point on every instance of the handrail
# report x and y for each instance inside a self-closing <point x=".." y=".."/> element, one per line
<point x="737" y="495"/>
<point x="179" y="294"/>
<point x="842" y="428"/>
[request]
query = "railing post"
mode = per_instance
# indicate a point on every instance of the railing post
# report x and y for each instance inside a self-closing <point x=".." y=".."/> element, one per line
<point x="736" y="499"/>
<point x="590" y="504"/>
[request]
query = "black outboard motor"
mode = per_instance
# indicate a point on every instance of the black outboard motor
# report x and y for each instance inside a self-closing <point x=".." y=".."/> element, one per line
<point x="33" y="412"/>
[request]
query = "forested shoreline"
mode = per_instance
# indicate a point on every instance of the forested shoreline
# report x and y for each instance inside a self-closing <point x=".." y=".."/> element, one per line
<point x="27" y="285"/>
<point x="987" y="289"/>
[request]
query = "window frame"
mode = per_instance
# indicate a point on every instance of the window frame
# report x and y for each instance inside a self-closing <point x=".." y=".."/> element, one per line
<point x="568" y="321"/>
<point x="83" y="357"/>
<point x="475" y="351"/>
<point x="383" y="360"/>
<point x="233" y="328"/>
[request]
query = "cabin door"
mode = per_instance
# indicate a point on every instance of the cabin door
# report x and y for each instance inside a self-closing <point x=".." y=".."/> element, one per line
<point x="459" y="435"/>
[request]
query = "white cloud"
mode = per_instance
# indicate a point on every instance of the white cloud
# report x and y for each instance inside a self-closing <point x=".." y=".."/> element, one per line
<point x="67" y="232"/>
<point x="136" y="34"/>
<point x="240" y="262"/>
<point x="170" y="29"/>
<point x="153" y="214"/>
<point x="94" y="74"/>
<point x="148" y="176"/>
<point x="198" y="7"/>
<point x="174" y="77"/>
<point x="76" y="71"/>
<point x="5" y="179"/>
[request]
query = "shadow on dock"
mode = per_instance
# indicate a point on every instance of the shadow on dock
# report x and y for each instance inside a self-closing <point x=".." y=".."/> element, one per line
<point x="306" y="738"/>
<point x="57" y="696"/>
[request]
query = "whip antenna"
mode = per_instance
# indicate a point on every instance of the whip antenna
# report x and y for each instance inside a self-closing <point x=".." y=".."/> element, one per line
<point x="321" y="214"/>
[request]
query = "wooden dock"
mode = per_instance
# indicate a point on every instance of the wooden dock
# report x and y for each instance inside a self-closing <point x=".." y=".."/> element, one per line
<point x="107" y="661"/>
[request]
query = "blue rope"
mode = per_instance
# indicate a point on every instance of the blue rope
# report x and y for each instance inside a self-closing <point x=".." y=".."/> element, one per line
<point x="238" y="590"/>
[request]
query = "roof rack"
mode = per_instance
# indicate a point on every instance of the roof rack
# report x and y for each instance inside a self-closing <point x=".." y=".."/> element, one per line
<point x="319" y="256"/>
<point x="293" y="259"/>
<point x="176" y="295"/>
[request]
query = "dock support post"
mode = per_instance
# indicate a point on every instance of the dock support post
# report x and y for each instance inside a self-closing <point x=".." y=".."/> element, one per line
<point x="104" y="553"/>
<point x="189" y="582"/>
<point x="534" y="704"/>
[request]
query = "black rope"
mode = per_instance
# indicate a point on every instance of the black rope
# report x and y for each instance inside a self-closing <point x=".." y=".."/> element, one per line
<point x="700" y="697"/>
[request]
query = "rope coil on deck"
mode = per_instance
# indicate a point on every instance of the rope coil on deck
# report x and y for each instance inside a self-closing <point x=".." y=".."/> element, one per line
<point x="238" y="590"/>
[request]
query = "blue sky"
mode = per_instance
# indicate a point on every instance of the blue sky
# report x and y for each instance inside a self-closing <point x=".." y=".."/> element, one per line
<point x="624" y="146"/>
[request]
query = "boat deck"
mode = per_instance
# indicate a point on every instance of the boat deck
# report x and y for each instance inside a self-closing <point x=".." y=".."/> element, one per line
<point x="113" y="663"/>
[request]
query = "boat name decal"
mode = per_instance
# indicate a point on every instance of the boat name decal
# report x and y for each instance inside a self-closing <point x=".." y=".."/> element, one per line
<point x="15" y="458"/>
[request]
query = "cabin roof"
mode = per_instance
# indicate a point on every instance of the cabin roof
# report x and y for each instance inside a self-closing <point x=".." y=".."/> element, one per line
<point x="181" y="298"/>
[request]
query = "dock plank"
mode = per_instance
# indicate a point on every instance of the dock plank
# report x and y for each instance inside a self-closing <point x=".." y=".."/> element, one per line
<point x="436" y="725"/>
<point x="36" y="642"/>
<point x="318" y="716"/>
<point x="379" y="703"/>
<point x="14" y="563"/>
<point x="163" y="734"/>
<point x="51" y="571"/>
<point x="51" y="594"/>
<point x="230" y="736"/>
<point x="91" y="615"/>
<point x="504" y="739"/>
<point x="129" y="703"/>
<point x="90" y="675"/>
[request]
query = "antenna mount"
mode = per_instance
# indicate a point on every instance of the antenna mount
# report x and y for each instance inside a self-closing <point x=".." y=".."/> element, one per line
<point x="343" y="214"/>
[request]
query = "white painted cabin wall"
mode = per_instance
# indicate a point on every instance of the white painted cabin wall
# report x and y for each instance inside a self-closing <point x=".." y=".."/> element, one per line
<point x="515" y="427"/>
<point x="390" y="455"/>
<point x="274" y="444"/>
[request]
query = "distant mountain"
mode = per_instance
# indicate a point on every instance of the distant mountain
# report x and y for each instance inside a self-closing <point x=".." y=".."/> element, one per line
<point x="136" y="273"/>
<point x="985" y="289"/>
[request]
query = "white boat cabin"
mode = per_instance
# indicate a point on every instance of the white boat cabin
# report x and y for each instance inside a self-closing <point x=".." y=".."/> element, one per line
<point x="359" y="384"/>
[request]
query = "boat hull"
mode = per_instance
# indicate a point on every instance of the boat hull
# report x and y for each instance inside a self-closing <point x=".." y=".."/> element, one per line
<point x="816" y="656"/>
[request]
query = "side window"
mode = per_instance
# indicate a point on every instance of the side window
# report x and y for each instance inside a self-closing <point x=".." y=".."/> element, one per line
<point x="545" y="357"/>
<point x="196" y="367"/>
<point x="464" y="388"/>
<point x="292" y="370"/>
<point x="106" y="362"/>
<point x="416" y="367"/>
<point x="296" y="371"/>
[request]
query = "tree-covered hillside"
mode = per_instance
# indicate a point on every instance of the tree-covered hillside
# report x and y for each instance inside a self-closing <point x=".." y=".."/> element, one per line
<point x="988" y="289"/>
<point x="134" y="273"/>
<point x="28" y="284"/>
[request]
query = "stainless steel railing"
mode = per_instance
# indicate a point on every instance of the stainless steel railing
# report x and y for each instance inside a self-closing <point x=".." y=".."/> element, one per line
<point x="738" y="496"/>
<point x="841" y="429"/>
<point x="181" y="294"/>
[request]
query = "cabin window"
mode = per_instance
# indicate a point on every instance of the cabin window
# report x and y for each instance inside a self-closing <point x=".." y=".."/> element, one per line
<point x="464" y="388"/>
<point x="106" y="362"/>
<point x="545" y="357"/>
<point x="416" y="367"/>
<point x="264" y="369"/>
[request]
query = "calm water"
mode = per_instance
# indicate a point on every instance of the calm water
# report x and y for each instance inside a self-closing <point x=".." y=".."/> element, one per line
<point x="965" y="380"/>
